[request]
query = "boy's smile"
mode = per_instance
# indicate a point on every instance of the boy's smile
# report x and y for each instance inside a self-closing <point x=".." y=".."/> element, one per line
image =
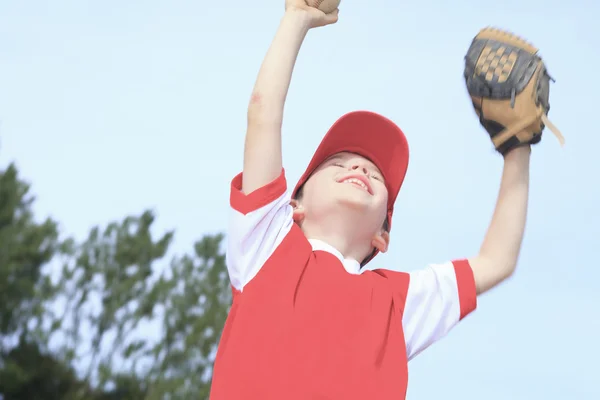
<point x="359" y="181"/>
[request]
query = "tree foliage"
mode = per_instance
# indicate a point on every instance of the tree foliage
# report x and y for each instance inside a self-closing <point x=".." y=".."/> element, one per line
<point x="122" y="318"/>
<point x="26" y="247"/>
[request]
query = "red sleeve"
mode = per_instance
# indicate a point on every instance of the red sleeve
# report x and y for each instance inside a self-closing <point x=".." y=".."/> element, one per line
<point x="467" y="291"/>
<point x="245" y="203"/>
<point x="258" y="223"/>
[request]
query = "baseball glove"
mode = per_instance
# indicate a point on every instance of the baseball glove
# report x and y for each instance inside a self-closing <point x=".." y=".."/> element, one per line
<point x="510" y="89"/>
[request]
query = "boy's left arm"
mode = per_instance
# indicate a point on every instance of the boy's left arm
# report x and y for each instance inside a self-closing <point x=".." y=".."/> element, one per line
<point x="499" y="252"/>
<point x="439" y="296"/>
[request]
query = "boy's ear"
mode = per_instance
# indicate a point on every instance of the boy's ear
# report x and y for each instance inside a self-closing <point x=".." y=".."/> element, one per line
<point x="381" y="241"/>
<point x="298" y="214"/>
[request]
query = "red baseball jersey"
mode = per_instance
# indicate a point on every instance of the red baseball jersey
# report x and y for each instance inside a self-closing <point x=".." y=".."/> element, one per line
<point x="306" y="323"/>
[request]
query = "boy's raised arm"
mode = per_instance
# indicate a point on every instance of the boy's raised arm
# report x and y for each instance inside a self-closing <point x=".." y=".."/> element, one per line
<point x="449" y="291"/>
<point x="262" y="151"/>
<point x="509" y="87"/>
<point x="497" y="258"/>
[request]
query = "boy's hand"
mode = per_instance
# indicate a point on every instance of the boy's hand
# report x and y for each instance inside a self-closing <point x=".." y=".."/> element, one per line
<point x="316" y="17"/>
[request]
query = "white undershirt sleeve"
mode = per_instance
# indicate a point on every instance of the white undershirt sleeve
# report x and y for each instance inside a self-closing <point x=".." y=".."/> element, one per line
<point x="438" y="297"/>
<point x="258" y="223"/>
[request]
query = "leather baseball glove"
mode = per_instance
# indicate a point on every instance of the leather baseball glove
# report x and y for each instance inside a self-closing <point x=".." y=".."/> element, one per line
<point x="510" y="89"/>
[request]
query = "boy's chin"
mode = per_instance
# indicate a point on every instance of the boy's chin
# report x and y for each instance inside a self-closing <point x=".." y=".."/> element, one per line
<point x="354" y="203"/>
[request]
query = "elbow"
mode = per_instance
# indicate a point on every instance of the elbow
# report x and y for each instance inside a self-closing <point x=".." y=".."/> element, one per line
<point x="510" y="270"/>
<point x="504" y="267"/>
<point x="265" y="110"/>
<point x="256" y="109"/>
<point x="490" y="272"/>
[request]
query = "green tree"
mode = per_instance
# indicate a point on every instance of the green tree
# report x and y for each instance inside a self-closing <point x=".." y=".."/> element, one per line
<point x="128" y="321"/>
<point x="157" y="323"/>
<point x="27" y="370"/>
<point x="30" y="374"/>
<point x="26" y="247"/>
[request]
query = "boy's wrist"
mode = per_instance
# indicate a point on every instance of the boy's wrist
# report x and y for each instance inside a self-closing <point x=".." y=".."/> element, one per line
<point x="298" y="16"/>
<point x="518" y="153"/>
<point x="518" y="158"/>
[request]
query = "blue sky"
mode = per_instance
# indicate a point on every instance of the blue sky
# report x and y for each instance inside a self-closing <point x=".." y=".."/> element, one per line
<point x="112" y="107"/>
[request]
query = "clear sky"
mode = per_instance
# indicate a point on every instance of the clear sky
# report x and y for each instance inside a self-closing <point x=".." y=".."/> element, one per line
<point x="112" y="107"/>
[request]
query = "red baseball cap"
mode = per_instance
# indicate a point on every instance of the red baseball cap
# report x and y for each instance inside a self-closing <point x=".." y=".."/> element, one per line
<point x="372" y="136"/>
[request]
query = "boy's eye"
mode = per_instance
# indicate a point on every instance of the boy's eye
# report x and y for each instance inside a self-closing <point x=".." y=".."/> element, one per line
<point x="338" y="165"/>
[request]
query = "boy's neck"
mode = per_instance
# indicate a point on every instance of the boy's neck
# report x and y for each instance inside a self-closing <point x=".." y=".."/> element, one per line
<point x="345" y="239"/>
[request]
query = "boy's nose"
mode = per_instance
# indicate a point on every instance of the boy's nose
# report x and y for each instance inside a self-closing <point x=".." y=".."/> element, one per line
<point x="356" y="167"/>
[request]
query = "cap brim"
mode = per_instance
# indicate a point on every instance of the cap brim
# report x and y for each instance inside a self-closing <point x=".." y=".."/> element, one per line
<point x="372" y="136"/>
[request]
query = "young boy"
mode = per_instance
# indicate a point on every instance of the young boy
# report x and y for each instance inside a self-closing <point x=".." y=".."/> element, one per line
<point x="307" y="320"/>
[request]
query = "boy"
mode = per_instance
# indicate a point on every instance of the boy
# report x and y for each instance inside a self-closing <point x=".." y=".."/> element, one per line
<point x="307" y="321"/>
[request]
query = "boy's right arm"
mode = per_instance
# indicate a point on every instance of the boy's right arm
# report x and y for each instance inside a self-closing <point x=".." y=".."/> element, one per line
<point x="262" y="151"/>
<point x="260" y="212"/>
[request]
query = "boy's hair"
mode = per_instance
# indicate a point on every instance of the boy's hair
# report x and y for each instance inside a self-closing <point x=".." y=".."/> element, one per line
<point x="386" y="225"/>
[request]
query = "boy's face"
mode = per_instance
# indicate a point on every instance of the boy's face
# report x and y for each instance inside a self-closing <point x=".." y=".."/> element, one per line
<point x="351" y="182"/>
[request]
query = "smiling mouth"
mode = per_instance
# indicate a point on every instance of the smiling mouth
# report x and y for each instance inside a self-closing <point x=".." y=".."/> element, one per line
<point x="358" y="183"/>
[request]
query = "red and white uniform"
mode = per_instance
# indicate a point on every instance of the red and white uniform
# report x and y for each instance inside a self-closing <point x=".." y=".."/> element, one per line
<point x="306" y="323"/>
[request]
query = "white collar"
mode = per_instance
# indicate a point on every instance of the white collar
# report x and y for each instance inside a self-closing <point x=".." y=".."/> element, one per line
<point x="350" y="265"/>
